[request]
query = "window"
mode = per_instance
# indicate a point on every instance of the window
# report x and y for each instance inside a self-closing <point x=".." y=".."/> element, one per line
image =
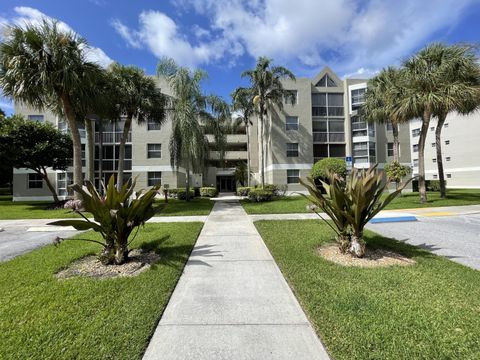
<point x="335" y="104"/>
<point x="154" y="151"/>
<point x="389" y="149"/>
<point x="447" y="142"/>
<point x="290" y="97"/>
<point x="415" y="162"/>
<point x="326" y="81"/>
<point x="435" y="176"/>
<point x="35" y="181"/>
<point x="445" y="125"/>
<point x="38" y="118"/>
<point x="434" y="144"/>
<point x="327" y="104"/>
<point x="358" y="97"/>
<point x="293" y="176"/>
<point x="153" y="125"/>
<point x="292" y="149"/>
<point x="415" y="148"/>
<point x="449" y="176"/>
<point x="389" y="126"/>
<point x="154" y="178"/>
<point x="291" y="123"/>
<point x="432" y="128"/>
<point x="434" y="160"/>
<point x="415" y="132"/>
<point x="448" y="158"/>
<point x="63" y="181"/>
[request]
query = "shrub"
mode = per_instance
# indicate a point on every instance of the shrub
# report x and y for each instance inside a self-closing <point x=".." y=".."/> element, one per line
<point x="281" y="190"/>
<point x="208" y="192"/>
<point x="197" y="191"/>
<point x="396" y="171"/>
<point x="172" y="193"/>
<point x="351" y="204"/>
<point x="260" y="195"/>
<point x="433" y="185"/>
<point x="243" y="191"/>
<point x="115" y="216"/>
<point x="182" y="194"/>
<point x="322" y="168"/>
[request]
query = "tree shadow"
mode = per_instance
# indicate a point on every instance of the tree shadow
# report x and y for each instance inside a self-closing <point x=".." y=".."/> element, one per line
<point x="400" y="246"/>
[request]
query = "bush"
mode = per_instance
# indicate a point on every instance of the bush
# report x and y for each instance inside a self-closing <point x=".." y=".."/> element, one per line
<point x="197" y="191"/>
<point x="396" y="171"/>
<point x="182" y="194"/>
<point x="433" y="185"/>
<point x="208" y="192"/>
<point x="243" y="191"/>
<point x="172" y="193"/>
<point x="322" y="168"/>
<point x="260" y="195"/>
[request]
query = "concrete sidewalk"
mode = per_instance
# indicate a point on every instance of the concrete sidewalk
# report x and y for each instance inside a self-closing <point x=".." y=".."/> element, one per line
<point x="232" y="301"/>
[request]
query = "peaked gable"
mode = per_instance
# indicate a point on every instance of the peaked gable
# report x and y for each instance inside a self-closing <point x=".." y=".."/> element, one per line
<point x="327" y="78"/>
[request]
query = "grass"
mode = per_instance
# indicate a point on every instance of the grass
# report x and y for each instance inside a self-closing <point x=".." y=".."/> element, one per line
<point x="298" y="204"/>
<point x="38" y="209"/>
<point x="84" y="318"/>
<point x="196" y="206"/>
<point x="425" y="311"/>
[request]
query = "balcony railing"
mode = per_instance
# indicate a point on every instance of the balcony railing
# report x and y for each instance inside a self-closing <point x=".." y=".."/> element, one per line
<point x="112" y="137"/>
<point x="229" y="155"/>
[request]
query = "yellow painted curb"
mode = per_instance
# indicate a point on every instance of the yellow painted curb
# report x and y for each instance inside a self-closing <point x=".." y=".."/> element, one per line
<point x="439" y="213"/>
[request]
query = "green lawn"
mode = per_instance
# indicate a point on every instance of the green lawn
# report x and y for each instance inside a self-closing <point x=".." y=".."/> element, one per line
<point x="426" y="311"/>
<point x="38" y="209"/>
<point x="297" y="204"/>
<point x="84" y="318"/>
<point x="196" y="206"/>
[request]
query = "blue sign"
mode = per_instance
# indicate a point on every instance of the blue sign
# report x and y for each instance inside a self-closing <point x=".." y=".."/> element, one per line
<point x="348" y="159"/>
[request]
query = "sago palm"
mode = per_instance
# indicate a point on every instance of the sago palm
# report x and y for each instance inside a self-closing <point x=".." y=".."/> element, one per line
<point x="137" y="97"/>
<point x="41" y="66"/>
<point x="266" y="85"/>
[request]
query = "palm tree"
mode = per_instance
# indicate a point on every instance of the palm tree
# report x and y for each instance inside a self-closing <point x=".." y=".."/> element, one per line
<point x="137" y="97"/>
<point x="461" y="87"/>
<point x="266" y="85"/>
<point x="381" y="101"/>
<point x="41" y="66"/>
<point x="188" y="143"/>
<point x="243" y="102"/>
<point x="427" y="94"/>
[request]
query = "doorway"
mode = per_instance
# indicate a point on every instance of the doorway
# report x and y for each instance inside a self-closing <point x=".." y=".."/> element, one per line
<point x="226" y="184"/>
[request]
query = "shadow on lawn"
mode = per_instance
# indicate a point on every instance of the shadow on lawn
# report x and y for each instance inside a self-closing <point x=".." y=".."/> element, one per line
<point x="400" y="246"/>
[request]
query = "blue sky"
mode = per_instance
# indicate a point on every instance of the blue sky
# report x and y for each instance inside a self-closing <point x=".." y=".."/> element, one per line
<point x="355" y="38"/>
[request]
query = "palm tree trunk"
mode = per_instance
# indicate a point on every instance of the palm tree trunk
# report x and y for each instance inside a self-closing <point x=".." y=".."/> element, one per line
<point x="396" y="143"/>
<point x="262" y="151"/>
<point x="248" y="155"/>
<point x="121" y="150"/>
<point x="100" y="154"/>
<point x="422" y="189"/>
<point x="43" y="174"/>
<point x="438" y="143"/>
<point x="77" y="143"/>
<point x="90" y="149"/>
<point x="187" y="198"/>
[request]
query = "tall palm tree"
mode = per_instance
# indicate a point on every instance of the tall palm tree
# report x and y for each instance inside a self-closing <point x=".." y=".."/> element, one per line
<point x="243" y="102"/>
<point x="266" y="84"/>
<point x="425" y="95"/>
<point x="188" y="143"/>
<point x="137" y="97"/>
<point x="41" y="66"/>
<point x="381" y="101"/>
<point x="461" y="88"/>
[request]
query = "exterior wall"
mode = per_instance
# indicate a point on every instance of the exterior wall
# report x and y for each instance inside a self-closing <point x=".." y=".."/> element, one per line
<point x="463" y="135"/>
<point x="21" y="192"/>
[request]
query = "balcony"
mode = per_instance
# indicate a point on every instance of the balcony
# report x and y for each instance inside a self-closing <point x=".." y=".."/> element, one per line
<point x="112" y="137"/>
<point x="229" y="155"/>
<point x="231" y="138"/>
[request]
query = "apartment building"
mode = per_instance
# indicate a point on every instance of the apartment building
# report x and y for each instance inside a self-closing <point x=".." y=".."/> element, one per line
<point x="147" y="157"/>
<point x="323" y="121"/>
<point x="460" y="149"/>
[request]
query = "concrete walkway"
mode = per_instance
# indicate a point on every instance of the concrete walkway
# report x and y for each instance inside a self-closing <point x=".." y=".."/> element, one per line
<point x="232" y="301"/>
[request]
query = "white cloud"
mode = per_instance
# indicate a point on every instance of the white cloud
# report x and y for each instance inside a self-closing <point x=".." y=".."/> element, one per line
<point x="27" y="15"/>
<point x="346" y="34"/>
<point x="161" y="35"/>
